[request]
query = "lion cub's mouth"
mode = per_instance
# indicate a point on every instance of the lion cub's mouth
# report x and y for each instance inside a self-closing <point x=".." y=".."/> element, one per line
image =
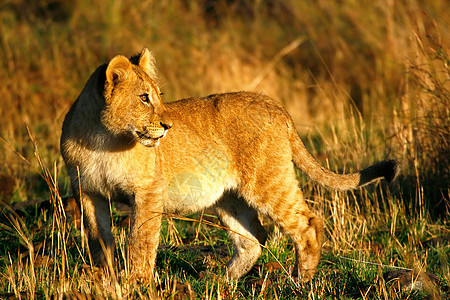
<point x="149" y="139"/>
<point x="150" y="135"/>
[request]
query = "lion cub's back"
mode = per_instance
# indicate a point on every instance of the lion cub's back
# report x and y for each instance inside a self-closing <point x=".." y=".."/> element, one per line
<point x="227" y="110"/>
<point x="244" y="124"/>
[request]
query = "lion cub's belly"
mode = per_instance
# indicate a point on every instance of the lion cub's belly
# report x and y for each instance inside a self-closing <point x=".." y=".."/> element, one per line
<point x="199" y="184"/>
<point x="187" y="193"/>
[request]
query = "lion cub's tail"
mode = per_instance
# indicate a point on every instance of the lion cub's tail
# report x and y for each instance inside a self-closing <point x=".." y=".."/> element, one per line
<point x="388" y="169"/>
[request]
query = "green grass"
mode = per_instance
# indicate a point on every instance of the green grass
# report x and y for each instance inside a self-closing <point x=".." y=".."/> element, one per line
<point x="362" y="81"/>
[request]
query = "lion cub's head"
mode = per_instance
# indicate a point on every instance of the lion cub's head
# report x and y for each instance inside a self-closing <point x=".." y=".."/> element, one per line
<point x="133" y="103"/>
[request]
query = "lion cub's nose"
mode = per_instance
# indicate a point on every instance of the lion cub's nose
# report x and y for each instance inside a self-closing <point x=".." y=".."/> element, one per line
<point x="166" y="125"/>
<point x="165" y="121"/>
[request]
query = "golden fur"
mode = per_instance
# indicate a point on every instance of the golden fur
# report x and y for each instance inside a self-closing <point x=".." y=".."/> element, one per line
<point x="234" y="152"/>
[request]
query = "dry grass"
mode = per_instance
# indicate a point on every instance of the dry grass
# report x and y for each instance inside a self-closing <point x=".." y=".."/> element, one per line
<point x="362" y="82"/>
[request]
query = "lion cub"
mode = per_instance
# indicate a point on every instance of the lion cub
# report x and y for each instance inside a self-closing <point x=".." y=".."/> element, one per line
<point x="235" y="152"/>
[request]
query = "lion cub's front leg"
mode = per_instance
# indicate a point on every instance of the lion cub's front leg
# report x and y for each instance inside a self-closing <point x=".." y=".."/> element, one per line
<point x="144" y="234"/>
<point x="98" y="222"/>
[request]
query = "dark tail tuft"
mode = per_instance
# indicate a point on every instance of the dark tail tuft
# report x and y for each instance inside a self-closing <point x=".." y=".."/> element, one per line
<point x="392" y="169"/>
<point x="388" y="169"/>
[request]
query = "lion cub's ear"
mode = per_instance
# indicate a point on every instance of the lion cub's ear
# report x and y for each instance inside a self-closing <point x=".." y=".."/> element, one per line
<point x="118" y="69"/>
<point x="148" y="64"/>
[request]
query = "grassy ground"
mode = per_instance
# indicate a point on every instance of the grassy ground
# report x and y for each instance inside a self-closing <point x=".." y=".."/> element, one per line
<point x="363" y="81"/>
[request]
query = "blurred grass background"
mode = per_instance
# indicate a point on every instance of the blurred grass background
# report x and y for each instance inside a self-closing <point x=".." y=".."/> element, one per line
<point x="363" y="81"/>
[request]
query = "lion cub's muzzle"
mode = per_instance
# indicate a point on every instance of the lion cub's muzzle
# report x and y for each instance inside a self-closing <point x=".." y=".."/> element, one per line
<point x="151" y="134"/>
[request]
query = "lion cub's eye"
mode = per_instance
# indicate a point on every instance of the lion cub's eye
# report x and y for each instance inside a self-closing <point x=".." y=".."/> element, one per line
<point x="144" y="98"/>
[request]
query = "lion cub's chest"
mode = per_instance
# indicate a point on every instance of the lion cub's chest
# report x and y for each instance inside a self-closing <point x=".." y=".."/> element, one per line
<point x="113" y="175"/>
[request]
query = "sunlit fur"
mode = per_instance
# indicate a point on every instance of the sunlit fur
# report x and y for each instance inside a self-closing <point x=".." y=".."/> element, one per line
<point x="235" y="152"/>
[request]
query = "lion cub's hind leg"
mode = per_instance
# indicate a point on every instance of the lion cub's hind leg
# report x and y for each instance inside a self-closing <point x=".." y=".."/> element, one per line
<point x="306" y="229"/>
<point x="245" y="231"/>
<point x="283" y="201"/>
